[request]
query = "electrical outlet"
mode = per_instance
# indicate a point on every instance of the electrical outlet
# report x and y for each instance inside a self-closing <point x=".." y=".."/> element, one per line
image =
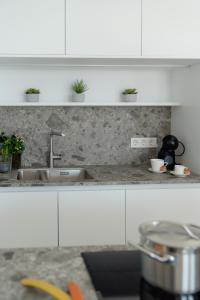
<point x="144" y="142"/>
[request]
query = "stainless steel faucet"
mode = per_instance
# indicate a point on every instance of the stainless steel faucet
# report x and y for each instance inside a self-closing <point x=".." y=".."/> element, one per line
<point x="52" y="155"/>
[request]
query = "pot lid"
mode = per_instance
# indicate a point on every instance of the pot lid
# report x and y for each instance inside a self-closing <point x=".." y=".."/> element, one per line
<point x="171" y="234"/>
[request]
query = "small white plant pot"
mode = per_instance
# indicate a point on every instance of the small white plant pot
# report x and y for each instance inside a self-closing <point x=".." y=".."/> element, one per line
<point x="129" y="98"/>
<point x="78" y="97"/>
<point x="32" y="97"/>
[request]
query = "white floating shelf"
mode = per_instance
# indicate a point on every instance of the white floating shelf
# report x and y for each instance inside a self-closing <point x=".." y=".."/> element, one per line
<point x="99" y="61"/>
<point x="86" y="104"/>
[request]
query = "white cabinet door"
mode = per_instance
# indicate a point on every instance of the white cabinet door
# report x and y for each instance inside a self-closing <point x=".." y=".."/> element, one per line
<point x="32" y="27"/>
<point x="28" y="219"/>
<point x="179" y="205"/>
<point x="91" y="218"/>
<point x="103" y="27"/>
<point x="171" y="28"/>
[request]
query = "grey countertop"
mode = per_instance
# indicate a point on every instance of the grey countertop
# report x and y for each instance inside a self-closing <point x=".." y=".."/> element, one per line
<point x="55" y="265"/>
<point x="107" y="175"/>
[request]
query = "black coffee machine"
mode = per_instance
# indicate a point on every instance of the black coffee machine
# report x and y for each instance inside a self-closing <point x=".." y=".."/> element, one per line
<point x="167" y="152"/>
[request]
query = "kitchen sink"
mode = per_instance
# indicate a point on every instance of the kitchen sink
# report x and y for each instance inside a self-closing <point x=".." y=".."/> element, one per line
<point x="69" y="174"/>
<point x="54" y="175"/>
<point x="29" y="174"/>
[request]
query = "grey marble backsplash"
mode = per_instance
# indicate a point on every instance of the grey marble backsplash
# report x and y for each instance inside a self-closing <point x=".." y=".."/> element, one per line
<point x="93" y="135"/>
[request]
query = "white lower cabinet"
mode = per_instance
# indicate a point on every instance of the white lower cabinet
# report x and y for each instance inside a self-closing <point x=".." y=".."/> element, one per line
<point x="179" y="205"/>
<point x="91" y="218"/>
<point x="28" y="219"/>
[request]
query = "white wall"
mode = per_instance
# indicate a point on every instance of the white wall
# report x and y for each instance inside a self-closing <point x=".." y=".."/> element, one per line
<point x="186" y="119"/>
<point x="154" y="85"/>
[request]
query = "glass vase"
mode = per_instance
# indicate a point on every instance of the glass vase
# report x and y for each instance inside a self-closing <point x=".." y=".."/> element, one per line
<point x="16" y="161"/>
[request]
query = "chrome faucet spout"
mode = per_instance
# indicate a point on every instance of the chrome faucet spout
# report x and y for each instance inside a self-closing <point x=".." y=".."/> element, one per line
<point x="52" y="156"/>
<point x="58" y="133"/>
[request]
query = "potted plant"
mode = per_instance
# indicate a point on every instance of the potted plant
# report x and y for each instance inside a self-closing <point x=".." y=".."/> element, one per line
<point x="129" y="95"/>
<point x="79" y="88"/>
<point x="11" y="148"/>
<point x="18" y="147"/>
<point x="5" y="153"/>
<point x="32" y="95"/>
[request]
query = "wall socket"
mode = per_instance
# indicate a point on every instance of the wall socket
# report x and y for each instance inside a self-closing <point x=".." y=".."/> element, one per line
<point x="143" y="142"/>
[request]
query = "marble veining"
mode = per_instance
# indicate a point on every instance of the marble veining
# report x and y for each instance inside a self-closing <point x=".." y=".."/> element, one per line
<point x="93" y="135"/>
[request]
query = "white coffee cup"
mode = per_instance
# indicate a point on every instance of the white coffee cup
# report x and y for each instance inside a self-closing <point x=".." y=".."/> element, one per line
<point x="179" y="170"/>
<point x="156" y="164"/>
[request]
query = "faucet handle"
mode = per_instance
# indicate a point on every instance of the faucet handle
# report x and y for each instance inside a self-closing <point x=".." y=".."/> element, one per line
<point x="57" y="156"/>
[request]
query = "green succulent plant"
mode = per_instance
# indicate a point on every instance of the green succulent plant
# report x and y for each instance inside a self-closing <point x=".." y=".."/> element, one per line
<point x="130" y="92"/>
<point x="79" y="87"/>
<point x="32" y="91"/>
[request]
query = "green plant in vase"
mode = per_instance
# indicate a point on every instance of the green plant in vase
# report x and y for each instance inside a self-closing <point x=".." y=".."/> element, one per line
<point x="5" y="150"/>
<point x="17" y="143"/>
<point x="5" y="153"/>
<point x="79" y="87"/>
<point x="32" y="95"/>
<point x="18" y="147"/>
<point x="130" y="92"/>
<point x="11" y="148"/>
<point x="32" y="91"/>
<point x="129" y="95"/>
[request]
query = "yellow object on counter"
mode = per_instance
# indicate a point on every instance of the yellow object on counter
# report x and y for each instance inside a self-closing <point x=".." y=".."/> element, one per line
<point x="46" y="287"/>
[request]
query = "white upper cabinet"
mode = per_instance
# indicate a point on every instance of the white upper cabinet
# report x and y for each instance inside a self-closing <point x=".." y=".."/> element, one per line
<point x="103" y="28"/>
<point x="30" y="27"/>
<point x="100" y="28"/>
<point x="171" y="28"/>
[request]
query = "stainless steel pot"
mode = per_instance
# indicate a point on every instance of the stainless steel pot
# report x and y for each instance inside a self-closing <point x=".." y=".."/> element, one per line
<point x="171" y="256"/>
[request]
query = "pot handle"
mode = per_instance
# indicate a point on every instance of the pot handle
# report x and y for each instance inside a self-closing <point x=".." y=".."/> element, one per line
<point x="163" y="259"/>
<point x="189" y="231"/>
<point x="186" y="229"/>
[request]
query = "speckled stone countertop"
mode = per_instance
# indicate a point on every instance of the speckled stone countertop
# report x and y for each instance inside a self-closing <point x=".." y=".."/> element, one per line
<point x="55" y="265"/>
<point x="106" y="175"/>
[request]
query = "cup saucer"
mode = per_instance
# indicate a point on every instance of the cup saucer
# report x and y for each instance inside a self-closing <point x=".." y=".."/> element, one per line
<point x="157" y="172"/>
<point x="173" y="173"/>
